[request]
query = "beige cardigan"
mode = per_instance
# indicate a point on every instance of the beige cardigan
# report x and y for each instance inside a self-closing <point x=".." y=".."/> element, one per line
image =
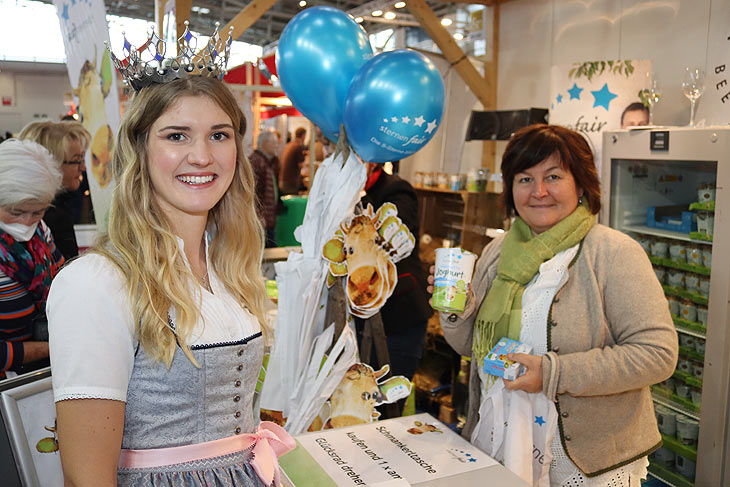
<point x="610" y="337"/>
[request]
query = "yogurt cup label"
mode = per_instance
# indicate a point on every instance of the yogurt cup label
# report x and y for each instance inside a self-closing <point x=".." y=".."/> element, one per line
<point x="454" y="268"/>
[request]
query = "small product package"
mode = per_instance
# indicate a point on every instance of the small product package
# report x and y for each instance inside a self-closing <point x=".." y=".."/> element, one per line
<point x="496" y="363"/>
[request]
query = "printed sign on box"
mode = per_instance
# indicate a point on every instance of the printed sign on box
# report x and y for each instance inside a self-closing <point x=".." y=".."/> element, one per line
<point x="417" y="448"/>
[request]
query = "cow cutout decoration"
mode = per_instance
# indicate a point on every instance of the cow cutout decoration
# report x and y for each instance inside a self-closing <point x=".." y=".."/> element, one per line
<point x="356" y="396"/>
<point x="365" y="249"/>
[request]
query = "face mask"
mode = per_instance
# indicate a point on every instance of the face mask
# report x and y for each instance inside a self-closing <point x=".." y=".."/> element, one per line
<point x="20" y="232"/>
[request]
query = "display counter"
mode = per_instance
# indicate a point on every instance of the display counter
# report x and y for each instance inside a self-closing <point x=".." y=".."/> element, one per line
<point x="411" y="450"/>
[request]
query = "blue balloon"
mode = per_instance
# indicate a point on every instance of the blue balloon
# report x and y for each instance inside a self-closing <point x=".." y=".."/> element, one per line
<point x="319" y="52"/>
<point x="394" y="105"/>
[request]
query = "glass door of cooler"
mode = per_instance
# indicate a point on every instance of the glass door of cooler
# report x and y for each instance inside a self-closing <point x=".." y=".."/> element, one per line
<point x="667" y="188"/>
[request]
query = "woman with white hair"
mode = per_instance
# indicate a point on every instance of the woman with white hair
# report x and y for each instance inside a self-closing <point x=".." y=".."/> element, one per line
<point x="29" y="180"/>
<point x="67" y="142"/>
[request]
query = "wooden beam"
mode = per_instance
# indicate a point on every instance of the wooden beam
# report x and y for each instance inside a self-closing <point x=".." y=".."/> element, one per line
<point x="160" y="17"/>
<point x="246" y="17"/>
<point x="489" y="147"/>
<point x="474" y="2"/>
<point x="182" y="13"/>
<point x="451" y="51"/>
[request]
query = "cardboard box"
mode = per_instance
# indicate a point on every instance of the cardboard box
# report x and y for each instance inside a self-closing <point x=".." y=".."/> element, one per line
<point x="411" y="450"/>
<point x="496" y="362"/>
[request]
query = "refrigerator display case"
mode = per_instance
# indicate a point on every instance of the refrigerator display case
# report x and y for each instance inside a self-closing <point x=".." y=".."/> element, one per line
<point x="667" y="188"/>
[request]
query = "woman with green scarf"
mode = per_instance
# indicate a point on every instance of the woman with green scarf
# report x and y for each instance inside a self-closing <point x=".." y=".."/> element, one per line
<point x="586" y="299"/>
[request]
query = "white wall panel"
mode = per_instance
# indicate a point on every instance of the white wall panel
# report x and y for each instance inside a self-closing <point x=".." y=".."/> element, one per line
<point x="673" y="34"/>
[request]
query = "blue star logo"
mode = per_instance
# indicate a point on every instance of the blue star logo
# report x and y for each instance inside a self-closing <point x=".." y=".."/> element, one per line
<point x="575" y="92"/>
<point x="603" y="97"/>
<point x="560" y="98"/>
<point x="64" y="15"/>
<point x="472" y="459"/>
<point x="539" y="420"/>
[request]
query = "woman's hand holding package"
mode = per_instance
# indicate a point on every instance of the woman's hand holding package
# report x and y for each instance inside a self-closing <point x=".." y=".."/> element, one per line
<point x="531" y="380"/>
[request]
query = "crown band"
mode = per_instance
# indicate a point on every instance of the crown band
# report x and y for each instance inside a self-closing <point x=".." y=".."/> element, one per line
<point x="156" y="68"/>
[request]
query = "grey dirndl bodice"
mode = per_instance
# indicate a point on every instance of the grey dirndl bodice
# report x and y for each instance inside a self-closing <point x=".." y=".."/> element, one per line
<point x="187" y="405"/>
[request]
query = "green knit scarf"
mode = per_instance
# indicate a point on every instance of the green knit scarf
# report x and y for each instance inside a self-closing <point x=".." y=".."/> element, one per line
<point x="520" y="257"/>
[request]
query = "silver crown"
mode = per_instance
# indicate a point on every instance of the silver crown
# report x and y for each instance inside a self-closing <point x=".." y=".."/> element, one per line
<point x="148" y="65"/>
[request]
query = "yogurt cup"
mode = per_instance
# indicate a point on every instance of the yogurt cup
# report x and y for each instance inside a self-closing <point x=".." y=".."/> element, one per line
<point x="694" y="255"/>
<point x="707" y="257"/>
<point x="659" y="248"/>
<point x="661" y="274"/>
<point x="678" y="252"/>
<point x="692" y="282"/>
<point x="702" y="315"/>
<point x="687" y="310"/>
<point x="454" y="268"/>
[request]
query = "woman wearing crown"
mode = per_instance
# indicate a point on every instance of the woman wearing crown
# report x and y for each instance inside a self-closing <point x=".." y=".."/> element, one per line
<point x="154" y="378"/>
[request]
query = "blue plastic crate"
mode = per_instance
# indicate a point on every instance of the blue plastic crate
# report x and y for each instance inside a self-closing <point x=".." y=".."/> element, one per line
<point x="665" y="218"/>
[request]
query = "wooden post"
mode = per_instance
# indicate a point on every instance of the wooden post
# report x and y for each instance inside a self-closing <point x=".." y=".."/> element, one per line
<point x="160" y="17"/>
<point x="182" y="13"/>
<point x="489" y="147"/>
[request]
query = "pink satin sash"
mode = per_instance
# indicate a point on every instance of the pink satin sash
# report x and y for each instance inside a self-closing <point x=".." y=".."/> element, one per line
<point x="269" y="442"/>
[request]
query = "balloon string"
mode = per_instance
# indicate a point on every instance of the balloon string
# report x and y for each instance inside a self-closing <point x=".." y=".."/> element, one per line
<point x="342" y="147"/>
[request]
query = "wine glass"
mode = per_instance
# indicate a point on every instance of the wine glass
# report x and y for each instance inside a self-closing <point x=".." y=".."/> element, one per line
<point x="693" y="86"/>
<point x="653" y="94"/>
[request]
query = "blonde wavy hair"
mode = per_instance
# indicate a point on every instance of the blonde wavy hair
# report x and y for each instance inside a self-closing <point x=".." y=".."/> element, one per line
<point x="55" y="136"/>
<point x="140" y="240"/>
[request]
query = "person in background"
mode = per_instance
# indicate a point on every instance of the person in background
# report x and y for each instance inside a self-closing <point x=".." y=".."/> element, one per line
<point x="157" y="333"/>
<point x="406" y="313"/>
<point x="585" y="298"/>
<point x="266" y="168"/>
<point x="68" y="142"/>
<point x="635" y="115"/>
<point x="290" y="178"/>
<point x="29" y="260"/>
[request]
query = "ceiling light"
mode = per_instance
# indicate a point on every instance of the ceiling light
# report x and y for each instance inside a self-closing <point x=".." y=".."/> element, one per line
<point x="389" y="15"/>
<point x="377" y="13"/>
<point x="458" y="36"/>
<point x="359" y="20"/>
<point x="303" y="3"/>
<point x="400" y="5"/>
<point x="446" y="21"/>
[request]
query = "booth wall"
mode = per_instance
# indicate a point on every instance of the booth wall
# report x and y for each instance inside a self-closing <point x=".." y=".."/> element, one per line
<point x="536" y="34"/>
<point x="38" y="91"/>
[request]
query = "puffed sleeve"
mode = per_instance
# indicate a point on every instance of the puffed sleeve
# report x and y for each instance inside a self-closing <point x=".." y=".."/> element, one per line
<point x="91" y="334"/>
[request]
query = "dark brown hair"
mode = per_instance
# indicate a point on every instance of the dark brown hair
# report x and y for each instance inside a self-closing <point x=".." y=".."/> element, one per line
<point x="531" y="145"/>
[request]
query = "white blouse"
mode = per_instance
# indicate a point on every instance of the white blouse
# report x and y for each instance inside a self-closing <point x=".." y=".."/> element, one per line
<point x="92" y="337"/>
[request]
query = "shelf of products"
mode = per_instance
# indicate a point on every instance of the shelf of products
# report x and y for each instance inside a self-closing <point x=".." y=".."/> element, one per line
<point x="669" y="477"/>
<point x="658" y="232"/>
<point x="683" y="266"/>
<point x="681" y="405"/>
<point x="462" y="217"/>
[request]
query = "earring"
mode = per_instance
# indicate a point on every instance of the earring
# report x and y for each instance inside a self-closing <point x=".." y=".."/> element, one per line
<point x="580" y="200"/>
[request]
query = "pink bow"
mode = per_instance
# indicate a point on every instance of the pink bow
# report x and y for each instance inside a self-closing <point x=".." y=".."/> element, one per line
<point x="271" y="442"/>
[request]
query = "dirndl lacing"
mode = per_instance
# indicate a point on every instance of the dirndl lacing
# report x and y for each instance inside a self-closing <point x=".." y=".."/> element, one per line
<point x="267" y="443"/>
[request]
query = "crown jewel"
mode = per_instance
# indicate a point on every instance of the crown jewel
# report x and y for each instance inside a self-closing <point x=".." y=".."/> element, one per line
<point x="148" y="65"/>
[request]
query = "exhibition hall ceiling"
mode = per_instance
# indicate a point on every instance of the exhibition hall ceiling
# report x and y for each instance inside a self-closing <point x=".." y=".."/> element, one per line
<point x="267" y="29"/>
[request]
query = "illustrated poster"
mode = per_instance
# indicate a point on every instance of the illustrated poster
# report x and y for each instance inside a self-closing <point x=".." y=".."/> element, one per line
<point x="590" y="97"/>
<point x="94" y="83"/>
